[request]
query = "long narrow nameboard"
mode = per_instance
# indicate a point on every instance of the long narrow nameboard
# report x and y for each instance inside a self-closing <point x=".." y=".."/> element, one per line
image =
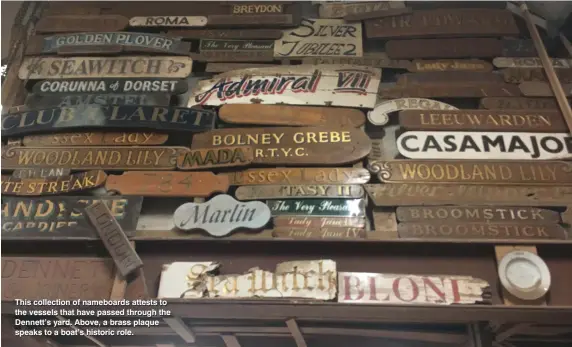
<point x="287" y="145"/>
<point x="62" y="217"/>
<point x="483" y="120"/>
<point x="502" y="103"/>
<point x="40" y="173"/>
<point x="318" y="207"/>
<point x="341" y="10"/>
<point x="168" y="21"/>
<point x="300" y="176"/>
<point x="96" y="139"/>
<point x="155" y="42"/>
<point x="88" y="158"/>
<point x="215" y="158"/>
<point x="477" y="214"/>
<point x="214" y="34"/>
<point x="372" y="59"/>
<point x="62" y="278"/>
<point x="172" y="184"/>
<point x="38" y="101"/>
<point x="325" y="233"/>
<point x="437" y="77"/>
<point x="107" y="116"/>
<point x="224" y="67"/>
<point x="450" y="65"/>
<point x="114" y="238"/>
<point x="318" y="222"/>
<point x="441" y="194"/>
<point x="299" y="85"/>
<point x="299" y="191"/>
<point x="447" y="90"/>
<point x="557" y="63"/>
<point x="75" y="23"/>
<point x="35" y="68"/>
<point x="291" y="115"/>
<point x="270" y="14"/>
<point x="519" y="75"/>
<point x="103" y="86"/>
<point x="321" y="37"/>
<point x="380" y="114"/>
<point x="235" y="50"/>
<point x="53" y="185"/>
<point x="475" y="172"/>
<point x="435" y="23"/>
<point x="542" y="89"/>
<point x="496" y="231"/>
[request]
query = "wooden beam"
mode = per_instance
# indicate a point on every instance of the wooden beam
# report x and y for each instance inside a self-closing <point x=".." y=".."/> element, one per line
<point x="509" y="330"/>
<point x="296" y="333"/>
<point x="180" y="328"/>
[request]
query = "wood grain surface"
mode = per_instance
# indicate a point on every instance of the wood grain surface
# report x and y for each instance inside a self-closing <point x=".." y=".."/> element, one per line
<point x="96" y="139"/>
<point x="519" y="103"/>
<point x="215" y="157"/>
<point x="300" y="176"/>
<point x="53" y="185"/>
<point x="477" y="214"/>
<point x="542" y="89"/>
<point x="79" y="23"/>
<point x="450" y="65"/>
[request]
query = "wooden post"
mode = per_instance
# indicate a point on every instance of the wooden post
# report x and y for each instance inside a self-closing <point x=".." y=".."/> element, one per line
<point x="180" y="328"/>
<point x="566" y="44"/>
<point x="230" y="341"/>
<point x="296" y="333"/>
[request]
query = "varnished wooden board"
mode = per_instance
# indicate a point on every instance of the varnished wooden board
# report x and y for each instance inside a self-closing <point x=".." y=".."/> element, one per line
<point x="450" y="65"/>
<point x="557" y="63"/>
<point x="77" y="23"/>
<point x="111" y="86"/>
<point x="39" y="173"/>
<point x="342" y="9"/>
<point x="53" y="185"/>
<point x="168" y="21"/>
<point x="252" y="20"/>
<point x="477" y="214"/>
<point x="440" y="77"/>
<point x="221" y="34"/>
<point x="519" y="75"/>
<point x="34" y="101"/>
<point x="291" y="115"/>
<point x="300" y="176"/>
<point x="540" y="89"/>
<point x="96" y="139"/>
<point x="215" y="157"/>
<point x="519" y="103"/>
<point x="325" y="233"/>
<point x="445" y="90"/>
<point x="373" y="59"/>
<point x="224" y="67"/>
<point x="318" y="222"/>
<point x="263" y="192"/>
<point x="167" y="184"/>
<point x="380" y="114"/>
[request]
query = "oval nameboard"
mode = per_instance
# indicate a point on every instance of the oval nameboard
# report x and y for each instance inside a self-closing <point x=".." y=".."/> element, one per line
<point x="221" y="215"/>
<point x="111" y="86"/>
<point x="380" y="114"/>
<point x="481" y="145"/>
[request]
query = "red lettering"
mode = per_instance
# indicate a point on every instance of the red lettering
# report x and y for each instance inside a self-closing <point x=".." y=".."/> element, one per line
<point x="347" y="285"/>
<point x="414" y="289"/>
<point x="428" y="283"/>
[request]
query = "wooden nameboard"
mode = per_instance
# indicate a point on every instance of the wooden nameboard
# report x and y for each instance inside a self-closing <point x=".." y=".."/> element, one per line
<point x="215" y="158"/>
<point x="435" y="23"/>
<point x="373" y="59"/>
<point x="235" y="50"/>
<point x="446" y="90"/>
<point x="63" y="217"/>
<point x="439" y="77"/>
<point x="519" y="75"/>
<point x="40" y="173"/>
<point x="300" y="176"/>
<point x="542" y="89"/>
<point x="36" y="68"/>
<point x="108" y="116"/>
<point x="557" y="63"/>
<point x="168" y="21"/>
<point x="358" y="10"/>
<point x="429" y="194"/>
<point x="476" y="172"/>
<point x="491" y="231"/>
<point x="450" y="65"/>
<point x="290" y="145"/>
<point x="259" y="14"/>
<point x="321" y="37"/>
<point x="96" y="139"/>
<point x="53" y="185"/>
<point x="318" y="207"/>
<point x="111" y="86"/>
<point x="477" y="214"/>
<point x="318" y="222"/>
<point x="503" y="103"/>
<point x="319" y="233"/>
<point x="291" y="115"/>
<point x="221" y="34"/>
<point x="380" y="114"/>
<point x="167" y="184"/>
<point x="37" y="101"/>
<point x="75" y="23"/>
<point x="263" y="192"/>
<point x="484" y="120"/>
<point x="114" y="239"/>
<point x="96" y="157"/>
<point x="224" y="67"/>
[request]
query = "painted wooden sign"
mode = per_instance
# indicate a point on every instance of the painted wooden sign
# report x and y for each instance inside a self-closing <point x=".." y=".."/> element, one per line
<point x="294" y="85"/>
<point x="438" y="77"/>
<point x="62" y="216"/>
<point x="300" y="176"/>
<point x="124" y="85"/>
<point x="88" y="158"/>
<point x="298" y="191"/>
<point x="372" y="59"/>
<point x="286" y="145"/>
<point x="40" y="173"/>
<point x="456" y="230"/>
<point x="38" y="101"/>
<point x="380" y="114"/>
<point x="483" y="145"/>
<point x="483" y="120"/>
<point x="321" y="37"/>
<point x="53" y="185"/>
<point x="190" y="280"/>
<point x="319" y="233"/>
<point x="64" y="278"/>
<point x="503" y="103"/>
<point x="450" y="65"/>
<point x="318" y="207"/>
<point x="291" y="115"/>
<point x="171" y="184"/>
<point x="221" y="215"/>
<point x="114" y="239"/>
<point x="476" y="172"/>
<point x="408" y="194"/>
<point x="155" y="42"/>
<point x="519" y="75"/>
<point x="477" y="214"/>
<point x="77" y="23"/>
<point x="311" y="222"/>
<point x="215" y="157"/>
<point x="36" y="68"/>
<point x="391" y="289"/>
<point x="108" y="116"/>
<point x="222" y="34"/>
<point x="168" y="21"/>
<point x="450" y="91"/>
<point x="96" y="139"/>
<point x="435" y="23"/>
<point x="342" y="9"/>
<point x="256" y="20"/>
<point x="557" y="63"/>
<point x="542" y="89"/>
<point x="224" y="67"/>
<point x="236" y="50"/>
